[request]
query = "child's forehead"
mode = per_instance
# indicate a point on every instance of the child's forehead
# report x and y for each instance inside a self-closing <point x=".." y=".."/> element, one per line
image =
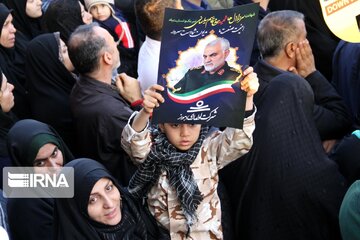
<point x="92" y="3"/>
<point x="101" y="4"/>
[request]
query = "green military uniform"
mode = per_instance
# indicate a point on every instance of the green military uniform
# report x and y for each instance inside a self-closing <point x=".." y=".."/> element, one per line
<point x="195" y="78"/>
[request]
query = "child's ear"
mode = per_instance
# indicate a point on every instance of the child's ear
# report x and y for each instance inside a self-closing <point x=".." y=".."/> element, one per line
<point x="161" y="126"/>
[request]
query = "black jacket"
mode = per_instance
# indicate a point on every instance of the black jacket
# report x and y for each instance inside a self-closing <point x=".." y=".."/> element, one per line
<point x="331" y="115"/>
<point x="100" y="114"/>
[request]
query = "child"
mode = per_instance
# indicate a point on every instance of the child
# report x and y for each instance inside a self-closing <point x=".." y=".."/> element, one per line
<point x="109" y="17"/>
<point x="178" y="170"/>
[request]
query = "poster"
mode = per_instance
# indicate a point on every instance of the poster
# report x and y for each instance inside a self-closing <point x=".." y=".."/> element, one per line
<point x="203" y="54"/>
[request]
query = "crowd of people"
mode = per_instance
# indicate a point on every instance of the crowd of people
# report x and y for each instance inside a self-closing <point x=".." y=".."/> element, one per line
<point x="79" y="87"/>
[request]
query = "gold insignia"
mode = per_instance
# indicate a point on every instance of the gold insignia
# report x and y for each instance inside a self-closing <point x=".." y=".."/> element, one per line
<point x="221" y="72"/>
<point x="174" y="90"/>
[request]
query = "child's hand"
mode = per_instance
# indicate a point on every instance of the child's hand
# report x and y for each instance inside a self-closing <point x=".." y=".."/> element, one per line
<point x="152" y="98"/>
<point x="250" y="83"/>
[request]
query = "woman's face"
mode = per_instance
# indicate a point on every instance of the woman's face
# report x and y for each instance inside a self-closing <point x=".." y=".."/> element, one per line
<point x="49" y="159"/>
<point x="105" y="203"/>
<point x="6" y="95"/>
<point x="87" y="18"/>
<point x="33" y="8"/>
<point x="65" y="56"/>
<point x="7" y="38"/>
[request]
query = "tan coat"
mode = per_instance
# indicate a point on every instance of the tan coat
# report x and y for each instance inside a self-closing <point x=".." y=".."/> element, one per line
<point x="217" y="150"/>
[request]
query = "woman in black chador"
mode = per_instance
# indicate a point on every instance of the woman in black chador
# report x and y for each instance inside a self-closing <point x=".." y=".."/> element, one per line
<point x="287" y="187"/>
<point x="100" y="209"/>
<point x="34" y="144"/>
<point x="49" y="83"/>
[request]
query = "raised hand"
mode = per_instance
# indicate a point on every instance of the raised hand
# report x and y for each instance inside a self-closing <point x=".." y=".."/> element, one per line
<point x="250" y="83"/>
<point x="152" y="98"/>
<point x="129" y="87"/>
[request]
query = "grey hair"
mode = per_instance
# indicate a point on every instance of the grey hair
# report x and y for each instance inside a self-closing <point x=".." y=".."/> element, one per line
<point x="85" y="48"/>
<point x="225" y="44"/>
<point x="277" y="29"/>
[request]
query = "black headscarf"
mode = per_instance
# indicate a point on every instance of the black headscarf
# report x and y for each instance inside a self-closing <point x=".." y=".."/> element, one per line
<point x="287" y="186"/>
<point x="63" y="16"/>
<point x="71" y="216"/>
<point x="6" y="121"/>
<point x="30" y="27"/>
<point x="31" y="218"/>
<point x="4" y="13"/>
<point x="20" y="140"/>
<point x="49" y="84"/>
<point x="12" y="65"/>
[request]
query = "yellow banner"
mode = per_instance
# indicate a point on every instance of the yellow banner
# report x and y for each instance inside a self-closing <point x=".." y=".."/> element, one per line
<point x="343" y="18"/>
